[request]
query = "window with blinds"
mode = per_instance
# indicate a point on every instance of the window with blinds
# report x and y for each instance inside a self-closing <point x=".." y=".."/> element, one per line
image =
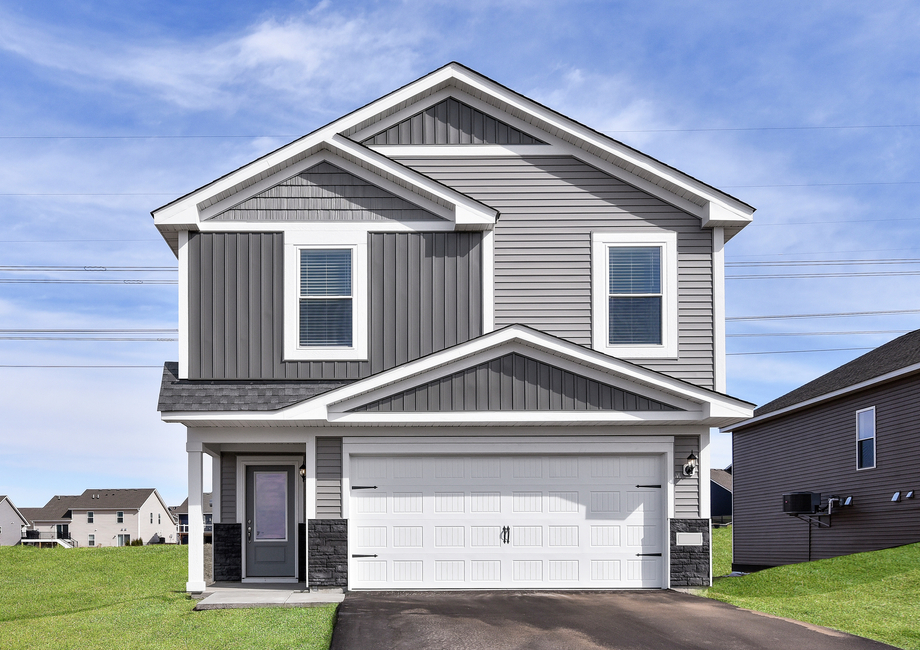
<point x="326" y="298"/>
<point x="865" y="438"/>
<point x="634" y="295"/>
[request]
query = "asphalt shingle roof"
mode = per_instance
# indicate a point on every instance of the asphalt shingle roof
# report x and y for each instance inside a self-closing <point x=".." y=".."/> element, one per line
<point x="178" y="395"/>
<point x="902" y="352"/>
<point x="721" y="477"/>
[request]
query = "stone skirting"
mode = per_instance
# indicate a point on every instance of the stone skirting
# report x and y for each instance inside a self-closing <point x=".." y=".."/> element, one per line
<point x="327" y="542"/>
<point x="227" y="540"/>
<point x="690" y="562"/>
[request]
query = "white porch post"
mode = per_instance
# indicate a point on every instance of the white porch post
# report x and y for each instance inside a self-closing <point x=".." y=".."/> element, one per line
<point x="195" y="520"/>
<point x="309" y="495"/>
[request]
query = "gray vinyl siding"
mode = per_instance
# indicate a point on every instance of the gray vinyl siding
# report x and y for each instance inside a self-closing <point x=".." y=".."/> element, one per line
<point x="228" y="488"/>
<point x="815" y="451"/>
<point x="549" y="207"/>
<point x="328" y="478"/>
<point x="686" y="489"/>
<point x="451" y="122"/>
<point x="514" y="382"/>
<point x="425" y="294"/>
<point x="325" y="193"/>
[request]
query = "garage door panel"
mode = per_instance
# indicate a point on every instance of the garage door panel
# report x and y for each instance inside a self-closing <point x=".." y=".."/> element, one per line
<point x="457" y="522"/>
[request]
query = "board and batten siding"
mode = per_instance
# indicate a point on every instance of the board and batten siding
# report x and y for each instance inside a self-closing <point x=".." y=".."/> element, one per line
<point x="425" y="294"/>
<point x="227" y="488"/>
<point x="549" y="207"/>
<point x="815" y="451"/>
<point x="686" y="488"/>
<point x="328" y="478"/>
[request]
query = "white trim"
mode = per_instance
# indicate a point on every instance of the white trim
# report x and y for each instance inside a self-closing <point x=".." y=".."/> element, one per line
<point x="874" y="439"/>
<point x="242" y="462"/>
<point x="601" y="242"/>
<point x="895" y="374"/>
<point x="356" y="242"/>
<point x="184" y="358"/>
<point x="703" y="467"/>
<point x="718" y="309"/>
<point x="465" y="150"/>
<point x="196" y="582"/>
<point x="488" y="281"/>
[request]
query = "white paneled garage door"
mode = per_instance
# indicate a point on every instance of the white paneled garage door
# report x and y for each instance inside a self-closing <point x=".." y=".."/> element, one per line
<point x="512" y="522"/>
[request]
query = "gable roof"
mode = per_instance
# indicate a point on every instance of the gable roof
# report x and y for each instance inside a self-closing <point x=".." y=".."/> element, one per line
<point x="114" y="499"/>
<point x="691" y="403"/>
<point x="206" y="505"/>
<point x="895" y="359"/>
<point x="712" y="206"/>
<point x="721" y="478"/>
<point x="3" y="498"/>
<point x="54" y="510"/>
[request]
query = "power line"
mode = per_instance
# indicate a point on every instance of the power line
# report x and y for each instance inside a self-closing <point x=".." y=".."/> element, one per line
<point x="93" y="268"/>
<point x="741" y="354"/>
<point x="848" y="262"/>
<point x="139" y="137"/>
<point x="828" y="315"/>
<point x="774" y="128"/>
<point x="73" y="366"/>
<point x="42" y="281"/>
<point x="170" y="330"/>
<point x="856" y="333"/>
<point x="851" y="274"/>
<point x="84" y="338"/>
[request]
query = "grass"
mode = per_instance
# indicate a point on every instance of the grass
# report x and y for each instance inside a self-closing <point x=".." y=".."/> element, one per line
<point x="133" y="598"/>
<point x="873" y="595"/>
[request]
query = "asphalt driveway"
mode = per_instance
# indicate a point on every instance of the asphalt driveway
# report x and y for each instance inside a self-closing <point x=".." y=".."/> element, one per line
<point x="637" y="620"/>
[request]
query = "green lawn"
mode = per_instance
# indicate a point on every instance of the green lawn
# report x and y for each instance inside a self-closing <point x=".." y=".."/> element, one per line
<point x="133" y="597"/>
<point x="874" y="595"/>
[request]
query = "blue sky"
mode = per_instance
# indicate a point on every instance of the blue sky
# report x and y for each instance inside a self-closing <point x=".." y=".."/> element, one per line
<point x="104" y="109"/>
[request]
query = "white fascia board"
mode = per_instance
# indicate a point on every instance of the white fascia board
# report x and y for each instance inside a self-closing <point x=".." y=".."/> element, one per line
<point x="517" y="418"/>
<point x="895" y="374"/>
<point x="557" y="124"/>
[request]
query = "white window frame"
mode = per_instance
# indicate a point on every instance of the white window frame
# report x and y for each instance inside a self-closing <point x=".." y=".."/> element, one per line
<point x="601" y="242"/>
<point x="874" y="439"/>
<point x="120" y="517"/>
<point x="91" y="540"/>
<point x="90" y="516"/>
<point x="296" y="241"/>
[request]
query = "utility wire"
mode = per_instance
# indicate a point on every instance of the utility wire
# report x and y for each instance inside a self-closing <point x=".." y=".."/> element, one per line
<point x="827" y="315"/>
<point x="856" y="333"/>
<point x="741" y="354"/>
<point x="43" y="281"/>
<point x="87" y="267"/>
<point x="851" y="274"/>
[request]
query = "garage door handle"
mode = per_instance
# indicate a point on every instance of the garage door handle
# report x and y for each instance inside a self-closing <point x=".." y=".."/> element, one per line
<point x="649" y="486"/>
<point x="363" y="487"/>
<point x="506" y="535"/>
<point x="637" y="555"/>
<point x="354" y="555"/>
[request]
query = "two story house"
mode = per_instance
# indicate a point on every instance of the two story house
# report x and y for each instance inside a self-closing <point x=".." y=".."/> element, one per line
<point x="453" y="340"/>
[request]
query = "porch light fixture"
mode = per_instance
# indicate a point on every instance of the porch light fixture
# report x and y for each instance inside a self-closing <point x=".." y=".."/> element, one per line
<point x="303" y="472"/>
<point x="690" y="465"/>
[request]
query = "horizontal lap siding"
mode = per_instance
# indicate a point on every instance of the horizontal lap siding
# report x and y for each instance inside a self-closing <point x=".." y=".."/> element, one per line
<point x="686" y="489"/>
<point x="425" y="294"/>
<point x="816" y="452"/>
<point x="328" y="478"/>
<point x="549" y="206"/>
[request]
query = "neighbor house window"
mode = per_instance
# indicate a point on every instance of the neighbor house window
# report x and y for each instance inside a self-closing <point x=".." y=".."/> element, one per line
<point x="865" y="438"/>
<point x="326" y="300"/>
<point x="91" y="541"/>
<point x="325" y="285"/>
<point x="151" y="517"/>
<point x="89" y="517"/>
<point x="124" y="540"/>
<point x="119" y="517"/>
<point x="634" y="294"/>
<point x="159" y="519"/>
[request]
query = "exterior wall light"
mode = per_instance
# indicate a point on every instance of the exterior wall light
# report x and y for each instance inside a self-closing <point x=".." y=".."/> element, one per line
<point x="303" y="472"/>
<point x="690" y="465"/>
<point x="909" y="495"/>
<point x="895" y="497"/>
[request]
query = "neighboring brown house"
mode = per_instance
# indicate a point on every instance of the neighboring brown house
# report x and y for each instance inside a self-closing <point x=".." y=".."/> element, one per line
<point x="720" y="496"/>
<point x="853" y="433"/>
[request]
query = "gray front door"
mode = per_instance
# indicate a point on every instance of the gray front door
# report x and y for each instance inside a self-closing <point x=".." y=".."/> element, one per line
<point x="269" y="527"/>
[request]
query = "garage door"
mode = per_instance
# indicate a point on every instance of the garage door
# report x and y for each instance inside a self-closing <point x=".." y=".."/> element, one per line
<point x="511" y="522"/>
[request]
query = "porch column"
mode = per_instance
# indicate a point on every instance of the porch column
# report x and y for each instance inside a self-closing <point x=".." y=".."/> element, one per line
<point x="309" y="501"/>
<point x="195" y="582"/>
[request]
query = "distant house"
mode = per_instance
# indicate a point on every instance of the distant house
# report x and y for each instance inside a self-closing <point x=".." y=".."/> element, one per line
<point x="101" y="518"/>
<point x="850" y="435"/>
<point x="720" y="495"/>
<point x="180" y="514"/>
<point x="12" y="522"/>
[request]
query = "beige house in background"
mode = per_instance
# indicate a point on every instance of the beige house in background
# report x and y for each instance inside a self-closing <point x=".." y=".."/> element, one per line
<point x="104" y="518"/>
<point x="11" y="522"/>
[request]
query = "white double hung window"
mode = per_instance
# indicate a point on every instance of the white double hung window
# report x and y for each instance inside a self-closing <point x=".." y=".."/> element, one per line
<point x="865" y="438"/>
<point x="634" y="287"/>
<point x="325" y="285"/>
<point x="326" y="299"/>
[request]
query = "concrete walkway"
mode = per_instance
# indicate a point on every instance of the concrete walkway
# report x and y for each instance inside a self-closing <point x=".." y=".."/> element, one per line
<point x="237" y="595"/>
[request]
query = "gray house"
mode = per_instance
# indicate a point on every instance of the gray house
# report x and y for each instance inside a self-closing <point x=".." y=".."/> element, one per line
<point x="457" y="340"/>
<point x="849" y="438"/>
<point x="12" y="522"/>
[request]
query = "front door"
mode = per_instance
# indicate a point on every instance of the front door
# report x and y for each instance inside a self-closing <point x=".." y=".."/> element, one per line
<point x="269" y="527"/>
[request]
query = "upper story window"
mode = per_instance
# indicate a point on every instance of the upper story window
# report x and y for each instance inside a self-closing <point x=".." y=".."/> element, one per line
<point x="634" y="288"/>
<point x="325" y="285"/>
<point x="89" y="517"/>
<point x="120" y="517"/>
<point x="326" y="300"/>
<point x="865" y="438"/>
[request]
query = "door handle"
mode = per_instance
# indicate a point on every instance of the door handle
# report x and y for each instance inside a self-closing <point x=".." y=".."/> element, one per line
<point x="506" y="534"/>
<point x="249" y="531"/>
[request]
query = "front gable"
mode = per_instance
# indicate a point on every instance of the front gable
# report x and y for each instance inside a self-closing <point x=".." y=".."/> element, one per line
<point x="325" y="192"/>
<point x="513" y="382"/>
